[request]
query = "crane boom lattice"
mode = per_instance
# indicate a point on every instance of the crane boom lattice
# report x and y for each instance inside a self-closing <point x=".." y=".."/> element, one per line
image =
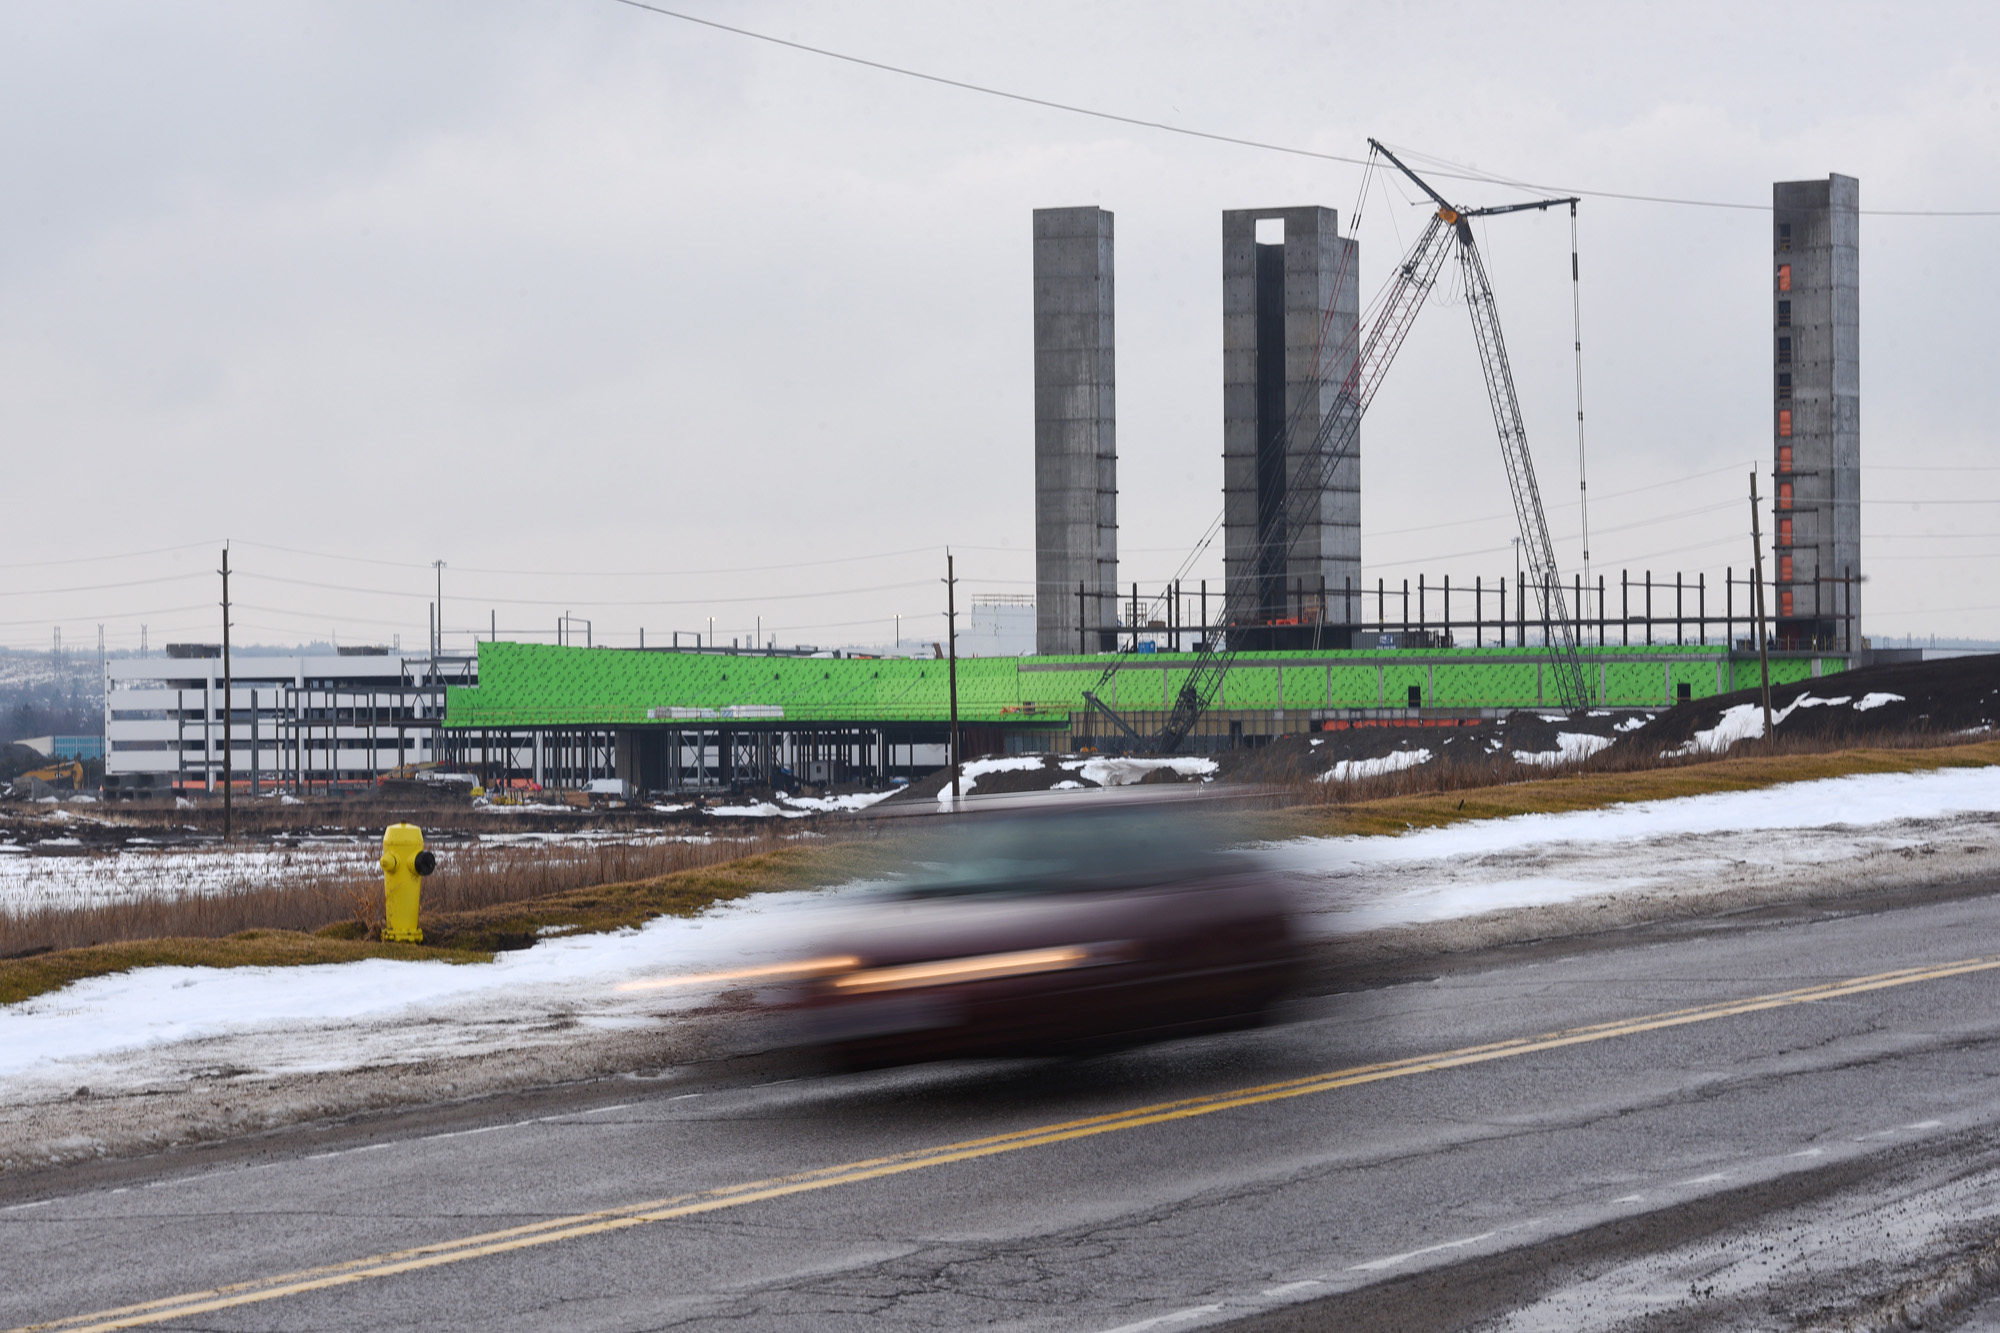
<point x="1541" y="552"/>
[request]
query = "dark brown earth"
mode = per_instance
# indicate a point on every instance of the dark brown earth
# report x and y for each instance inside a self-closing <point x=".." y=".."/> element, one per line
<point x="1953" y="697"/>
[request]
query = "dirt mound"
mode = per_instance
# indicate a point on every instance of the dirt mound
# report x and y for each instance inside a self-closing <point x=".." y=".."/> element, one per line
<point x="1956" y="696"/>
<point x="1520" y="741"/>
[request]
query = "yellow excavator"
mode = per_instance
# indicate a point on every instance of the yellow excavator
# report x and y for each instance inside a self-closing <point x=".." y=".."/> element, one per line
<point x="63" y="775"/>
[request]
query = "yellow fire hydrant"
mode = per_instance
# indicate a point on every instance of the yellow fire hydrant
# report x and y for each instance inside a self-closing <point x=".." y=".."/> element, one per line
<point x="404" y="864"/>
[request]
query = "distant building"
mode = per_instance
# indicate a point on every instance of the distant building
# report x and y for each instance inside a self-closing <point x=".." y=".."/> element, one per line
<point x="1000" y="625"/>
<point x="295" y="720"/>
<point x="1816" y="414"/>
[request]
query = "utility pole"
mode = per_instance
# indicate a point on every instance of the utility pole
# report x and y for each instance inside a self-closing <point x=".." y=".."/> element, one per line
<point x="1576" y="324"/>
<point x="437" y="632"/>
<point x="951" y="664"/>
<point x="1763" y="635"/>
<point x="228" y="713"/>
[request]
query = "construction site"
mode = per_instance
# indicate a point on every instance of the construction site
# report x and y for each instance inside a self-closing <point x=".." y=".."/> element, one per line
<point x="1294" y="640"/>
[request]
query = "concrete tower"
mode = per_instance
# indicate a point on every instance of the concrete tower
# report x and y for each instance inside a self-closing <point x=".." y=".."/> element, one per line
<point x="1816" y="350"/>
<point x="1290" y="301"/>
<point x="1076" y="436"/>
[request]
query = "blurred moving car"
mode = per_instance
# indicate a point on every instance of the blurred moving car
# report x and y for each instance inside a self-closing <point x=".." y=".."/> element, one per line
<point x="1032" y="935"/>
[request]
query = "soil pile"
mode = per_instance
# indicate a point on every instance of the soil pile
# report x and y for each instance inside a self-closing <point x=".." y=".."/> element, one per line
<point x="1959" y="696"/>
<point x="1509" y="746"/>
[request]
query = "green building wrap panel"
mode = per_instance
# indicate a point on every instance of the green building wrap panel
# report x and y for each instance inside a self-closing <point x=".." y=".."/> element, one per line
<point x="524" y="685"/>
<point x="1397" y="681"/>
<point x="1249" y="686"/>
<point x="1305" y="686"/>
<point x="1355" y="686"/>
<point x="1699" y="677"/>
<point x="1631" y="684"/>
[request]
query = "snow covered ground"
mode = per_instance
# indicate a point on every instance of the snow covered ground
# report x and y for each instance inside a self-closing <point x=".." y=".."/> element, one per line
<point x="170" y="1028"/>
<point x="348" y="1015"/>
<point x="1367" y="883"/>
<point x="29" y="881"/>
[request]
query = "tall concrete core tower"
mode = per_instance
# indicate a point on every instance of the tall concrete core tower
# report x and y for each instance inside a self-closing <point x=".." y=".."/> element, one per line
<point x="1290" y="301"/>
<point x="1816" y="350"/>
<point x="1076" y="435"/>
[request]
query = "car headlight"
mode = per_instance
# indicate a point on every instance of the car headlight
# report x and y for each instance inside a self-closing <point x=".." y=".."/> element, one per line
<point x="978" y="967"/>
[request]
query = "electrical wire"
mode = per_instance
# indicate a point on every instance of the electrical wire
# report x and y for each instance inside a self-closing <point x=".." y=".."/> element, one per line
<point x="102" y="587"/>
<point x="609" y="573"/>
<point x="1457" y="172"/>
<point x="581" y="601"/>
<point x="94" y="559"/>
<point x="122" y="615"/>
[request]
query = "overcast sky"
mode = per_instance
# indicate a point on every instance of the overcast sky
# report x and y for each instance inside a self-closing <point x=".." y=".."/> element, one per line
<point x="680" y="325"/>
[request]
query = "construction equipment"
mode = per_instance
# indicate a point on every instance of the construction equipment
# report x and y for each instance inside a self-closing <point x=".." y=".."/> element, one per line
<point x="1387" y="323"/>
<point x="1559" y="630"/>
<point x="405" y="772"/>
<point x="63" y="775"/>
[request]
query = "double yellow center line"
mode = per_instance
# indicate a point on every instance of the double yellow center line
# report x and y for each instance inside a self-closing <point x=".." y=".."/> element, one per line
<point x="579" y="1225"/>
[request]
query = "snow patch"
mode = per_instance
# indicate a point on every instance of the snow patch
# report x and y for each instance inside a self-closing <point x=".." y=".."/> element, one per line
<point x="1347" y="770"/>
<point x="859" y="800"/>
<point x="1629" y="724"/>
<point x="1876" y="700"/>
<point x="756" y="810"/>
<point x="1124" y="772"/>
<point x="1571" y="747"/>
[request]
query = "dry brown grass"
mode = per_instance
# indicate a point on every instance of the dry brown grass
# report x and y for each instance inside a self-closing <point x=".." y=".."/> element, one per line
<point x="468" y="878"/>
<point x="25" y="978"/>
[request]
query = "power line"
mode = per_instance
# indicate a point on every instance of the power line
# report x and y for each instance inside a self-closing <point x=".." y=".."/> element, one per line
<point x="94" y="559"/>
<point x="108" y="617"/>
<point x="101" y="587"/>
<point x="589" y="602"/>
<point x="605" y="573"/>
<point x="1167" y="127"/>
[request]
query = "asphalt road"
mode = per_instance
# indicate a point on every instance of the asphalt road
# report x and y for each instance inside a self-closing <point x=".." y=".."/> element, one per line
<point x="1420" y="1155"/>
